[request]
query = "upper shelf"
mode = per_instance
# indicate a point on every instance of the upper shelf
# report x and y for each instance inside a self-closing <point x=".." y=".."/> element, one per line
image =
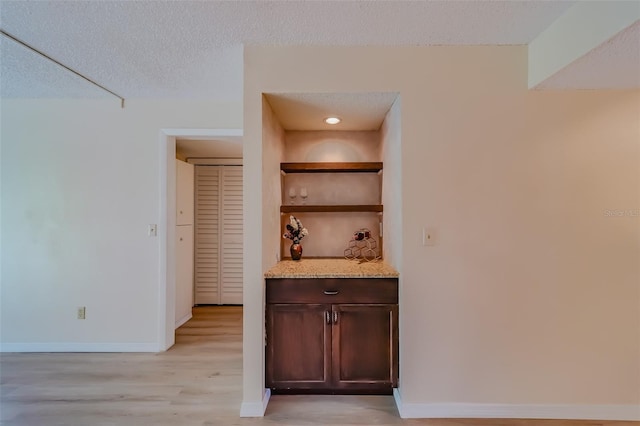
<point x="331" y="209"/>
<point x="359" y="167"/>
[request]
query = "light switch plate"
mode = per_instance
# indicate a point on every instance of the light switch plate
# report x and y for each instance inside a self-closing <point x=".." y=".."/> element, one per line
<point x="428" y="237"/>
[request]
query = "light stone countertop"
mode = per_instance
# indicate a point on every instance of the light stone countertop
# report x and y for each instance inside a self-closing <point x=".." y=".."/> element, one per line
<point x="331" y="268"/>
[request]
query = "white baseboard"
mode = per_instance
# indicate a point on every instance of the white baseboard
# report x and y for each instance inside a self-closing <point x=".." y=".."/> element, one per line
<point x="516" y="411"/>
<point x="79" y="347"/>
<point x="184" y="319"/>
<point x="256" y="409"/>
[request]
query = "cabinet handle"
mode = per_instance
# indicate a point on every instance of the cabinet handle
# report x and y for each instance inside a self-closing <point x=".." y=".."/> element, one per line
<point x="335" y="317"/>
<point x="331" y="292"/>
<point x="327" y="315"/>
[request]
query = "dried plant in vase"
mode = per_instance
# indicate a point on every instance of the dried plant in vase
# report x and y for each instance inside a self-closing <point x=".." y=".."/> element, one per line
<point x="295" y="232"/>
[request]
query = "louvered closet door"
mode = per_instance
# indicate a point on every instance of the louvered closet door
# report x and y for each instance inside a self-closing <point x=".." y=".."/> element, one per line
<point x="207" y="236"/>
<point x="218" y="235"/>
<point x="231" y="212"/>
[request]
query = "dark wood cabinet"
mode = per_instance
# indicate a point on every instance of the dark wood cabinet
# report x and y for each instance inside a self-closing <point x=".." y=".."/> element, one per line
<point x="364" y="351"/>
<point x="332" y="335"/>
<point x="298" y="356"/>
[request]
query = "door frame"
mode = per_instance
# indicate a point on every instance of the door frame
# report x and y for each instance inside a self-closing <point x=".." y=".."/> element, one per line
<point x="167" y="221"/>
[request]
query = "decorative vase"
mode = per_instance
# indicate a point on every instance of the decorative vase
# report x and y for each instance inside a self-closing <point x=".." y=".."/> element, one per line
<point x="296" y="251"/>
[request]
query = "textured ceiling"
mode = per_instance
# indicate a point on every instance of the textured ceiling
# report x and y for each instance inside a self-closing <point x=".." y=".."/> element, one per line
<point x="193" y="49"/>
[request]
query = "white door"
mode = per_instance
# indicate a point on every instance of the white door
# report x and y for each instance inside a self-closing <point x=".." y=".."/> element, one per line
<point x="184" y="193"/>
<point x="218" y="235"/>
<point x="184" y="273"/>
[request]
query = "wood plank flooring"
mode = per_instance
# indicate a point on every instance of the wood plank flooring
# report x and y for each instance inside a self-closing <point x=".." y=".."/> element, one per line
<point x="197" y="382"/>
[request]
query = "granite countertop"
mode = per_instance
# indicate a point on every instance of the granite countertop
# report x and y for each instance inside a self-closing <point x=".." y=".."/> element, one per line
<point x="331" y="268"/>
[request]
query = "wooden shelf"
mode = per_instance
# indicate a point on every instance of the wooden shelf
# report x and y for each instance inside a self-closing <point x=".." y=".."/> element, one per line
<point x="359" y="167"/>
<point x="368" y="171"/>
<point x="331" y="209"/>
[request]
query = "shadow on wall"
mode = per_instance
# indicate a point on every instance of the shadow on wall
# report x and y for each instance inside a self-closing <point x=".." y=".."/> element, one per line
<point x="333" y="152"/>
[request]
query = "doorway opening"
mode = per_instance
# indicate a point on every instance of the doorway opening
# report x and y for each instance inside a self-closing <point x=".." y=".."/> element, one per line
<point x="175" y="143"/>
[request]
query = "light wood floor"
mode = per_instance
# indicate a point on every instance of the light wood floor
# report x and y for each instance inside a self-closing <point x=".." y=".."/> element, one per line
<point x="197" y="382"/>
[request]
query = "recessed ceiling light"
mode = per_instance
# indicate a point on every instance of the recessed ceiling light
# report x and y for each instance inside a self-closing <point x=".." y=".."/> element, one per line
<point x="332" y="120"/>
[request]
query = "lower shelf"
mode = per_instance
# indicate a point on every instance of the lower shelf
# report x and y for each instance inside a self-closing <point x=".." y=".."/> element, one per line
<point x="330" y="233"/>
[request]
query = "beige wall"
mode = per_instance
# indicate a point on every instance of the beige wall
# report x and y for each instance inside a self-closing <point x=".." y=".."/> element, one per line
<point x="273" y="140"/>
<point x="262" y="193"/>
<point x="332" y="146"/>
<point x="391" y="150"/>
<point x="531" y="293"/>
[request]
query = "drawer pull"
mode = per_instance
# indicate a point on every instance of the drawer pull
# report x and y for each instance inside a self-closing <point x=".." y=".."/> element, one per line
<point x="331" y="292"/>
<point x="327" y="316"/>
<point x="335" y="317"/>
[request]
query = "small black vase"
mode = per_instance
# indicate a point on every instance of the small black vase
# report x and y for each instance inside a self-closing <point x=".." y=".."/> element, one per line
<point x="296" y="251"/>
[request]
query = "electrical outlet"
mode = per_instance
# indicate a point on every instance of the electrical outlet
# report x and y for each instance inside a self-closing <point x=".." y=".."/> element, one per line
<point x="82" y="311"/>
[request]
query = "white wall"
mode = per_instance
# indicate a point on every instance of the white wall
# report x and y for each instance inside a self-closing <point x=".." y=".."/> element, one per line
<point x="528" y="302"/>
<point x="581" y="29"/>
<point x="80" y="185"/>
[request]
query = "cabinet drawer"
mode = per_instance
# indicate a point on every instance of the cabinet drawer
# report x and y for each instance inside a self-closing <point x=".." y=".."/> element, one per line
<point x="332" y="290"/>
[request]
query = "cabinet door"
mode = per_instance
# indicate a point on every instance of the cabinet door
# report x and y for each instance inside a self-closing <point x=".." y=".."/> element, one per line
<point x="184" y="273"/>
<point x="298" y="352"/>
<point x="365" y="347"/>
<point x="184" y="193"/>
